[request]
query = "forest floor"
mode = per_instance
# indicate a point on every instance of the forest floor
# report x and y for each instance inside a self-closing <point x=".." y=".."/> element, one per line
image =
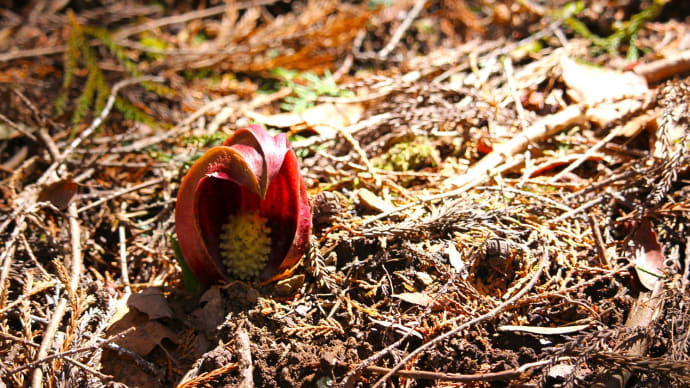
<point x="500" y="192"/>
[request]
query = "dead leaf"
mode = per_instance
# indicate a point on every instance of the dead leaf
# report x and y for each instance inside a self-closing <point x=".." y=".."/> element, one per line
<point x="151" y="302"/>
<point x="289" y="286"/>
<point x="212" y="313"/>
<point x="325" y="119"/>
<point x="555" y="162"/>
<point x="649" y="256"/>
<point x="456" y="261"/>
<point x="606" y="113"/>
<point x="424" y="277"/>
<point x="591" y="84"/>
<point x="638" y="123"/>
<point x="59" y="193"/>
<point x="373" y="202"/>
<point x="418" y="298"/>
<point x="7" y="132"/>
<point x="146" y="333"/>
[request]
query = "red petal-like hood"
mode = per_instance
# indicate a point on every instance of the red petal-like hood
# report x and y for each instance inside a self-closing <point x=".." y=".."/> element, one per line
<point x="251" y="171"/>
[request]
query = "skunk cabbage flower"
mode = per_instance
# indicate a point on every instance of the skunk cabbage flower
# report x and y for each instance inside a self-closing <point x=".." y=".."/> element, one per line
<point x="242" y="209"/>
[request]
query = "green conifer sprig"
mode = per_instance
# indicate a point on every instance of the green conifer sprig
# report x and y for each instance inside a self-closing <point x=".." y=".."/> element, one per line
<point x="95" y="91"/>
<point x="131" y="112"/>
<point x="121" y="55"/>
<point x="623" y="32"/>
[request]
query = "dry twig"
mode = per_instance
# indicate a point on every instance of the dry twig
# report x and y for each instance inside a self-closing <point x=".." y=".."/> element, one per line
<point x="491" y="314"/>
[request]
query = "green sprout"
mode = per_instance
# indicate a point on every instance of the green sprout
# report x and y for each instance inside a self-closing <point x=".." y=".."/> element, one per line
<point x="307" y="88"/>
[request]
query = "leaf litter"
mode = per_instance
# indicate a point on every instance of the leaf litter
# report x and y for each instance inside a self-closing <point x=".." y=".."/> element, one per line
<point x="500" y="193"/>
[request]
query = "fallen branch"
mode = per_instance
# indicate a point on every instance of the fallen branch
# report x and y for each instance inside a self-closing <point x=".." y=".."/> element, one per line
<point x="549" y="125"/>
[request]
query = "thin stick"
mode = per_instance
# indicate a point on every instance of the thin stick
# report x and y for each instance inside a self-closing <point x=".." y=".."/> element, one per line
<point x="123" y="251"/>
<point x="7" y="256"/>
<point x="24" y="296"/>
<point x="608" y="274"/>
<point x="37" y="52"/>
<point x="495" y="311"/>
<point x="50" y="144"/>
<point x="68" y="359"/>
<point x="17" y="128"/>
<point x="528" y="194"/>
<point x="601" y="247"/>
<point x="580" y="209"/>
<point x="51" y="357"/>
<point x="463" y="378"/>
<point x="362" y="155"/>
<point x="508" y="67"/>
<point x="588" y="153"/>
<point x="110" y="345"/>
<point x="351" y="129"/>
<point x="244" y="356"/>
<point x="76" y="265"/>
<point x="686" y="272"/>
<point x="89" y="369"/>
<point x="151" y="140"/>
<point x="106" y="110"/>
<point x="118" y="193"/>
<point x="397" y="35"/>
<point x="46" y="343"/>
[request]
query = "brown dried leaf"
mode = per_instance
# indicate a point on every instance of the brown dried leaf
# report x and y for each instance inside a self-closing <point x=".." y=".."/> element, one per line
<point x="372" y="202"/>
<point x="212" y="313"/>
<point x="151" y="302"/>
<point x="649" y="256"/>
<point x="59" y="193"/>
<point x="147" y="334"/>
<point x="418" y="298"/>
